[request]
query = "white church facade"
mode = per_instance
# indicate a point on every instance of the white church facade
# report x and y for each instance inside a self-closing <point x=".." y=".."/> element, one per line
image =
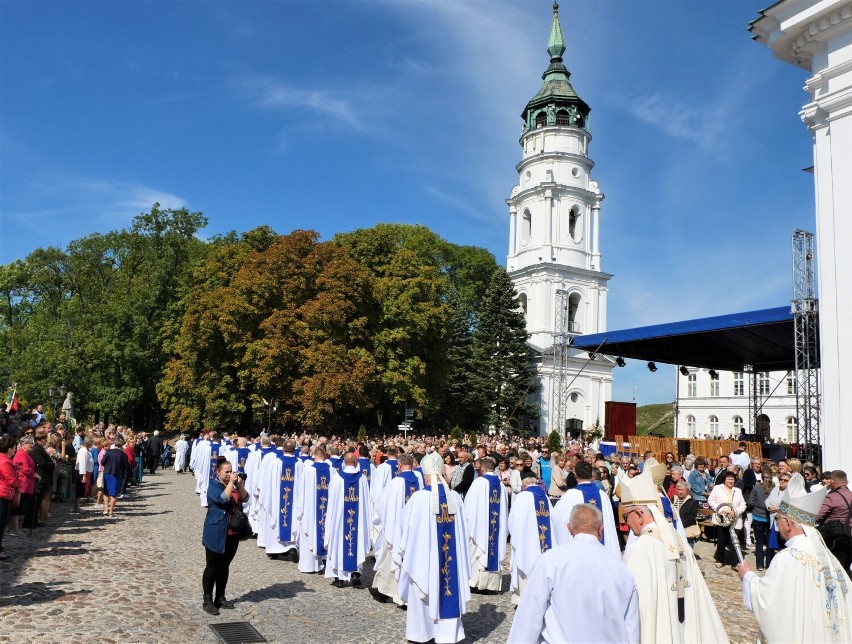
<point x="554" y="254"/>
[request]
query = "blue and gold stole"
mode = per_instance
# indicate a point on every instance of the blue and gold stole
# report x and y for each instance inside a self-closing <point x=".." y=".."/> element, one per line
<point x="364" y="464"/>
<point x="336" y="462"/>
<point x="493" y="521"/>
<point x="667" y="510"/>
<point x="242" y="457"/>
<point x="542" y="518"/>
<point x="214" y="459"/>
<point x="288" y="481"/>
<point x="392" y="464"/>
<point x="323" y="472"/>
<point x="449" y="605"/>
<point x="351" y="497"/>
<point x="591" y="496"/>
<point x="266" y="450"/>
<point x="412" y="483"/>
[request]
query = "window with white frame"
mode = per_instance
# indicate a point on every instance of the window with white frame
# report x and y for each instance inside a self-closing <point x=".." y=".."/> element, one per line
<point x="714" y="386"/>
<point x="791" y="429"/>
<point x="692" y="385"/>
<point x="713" y="425"/>
<point x="739" y="384"/>
<point x="690" y="426"/>
<point x="763" y="383"/>
<point x="737" y="425"/>
<point x="791" y="383"/>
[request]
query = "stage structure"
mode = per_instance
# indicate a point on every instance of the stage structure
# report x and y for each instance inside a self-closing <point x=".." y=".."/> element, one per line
<point x="805" y="307"/>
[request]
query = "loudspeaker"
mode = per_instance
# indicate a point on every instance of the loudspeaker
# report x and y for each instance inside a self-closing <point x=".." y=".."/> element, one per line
<point x="683" y="447"/>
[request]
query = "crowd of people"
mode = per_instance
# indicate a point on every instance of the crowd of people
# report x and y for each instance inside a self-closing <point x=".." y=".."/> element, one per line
<point x="91" y="467"/>
<point x="439" y="517"/>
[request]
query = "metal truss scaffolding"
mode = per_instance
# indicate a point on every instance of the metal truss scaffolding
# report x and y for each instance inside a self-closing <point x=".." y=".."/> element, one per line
<point x="561" y="339"/>
<point x="807" y="347"/>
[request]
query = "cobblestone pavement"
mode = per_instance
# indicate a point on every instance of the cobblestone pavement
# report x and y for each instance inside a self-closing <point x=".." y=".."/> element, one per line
<point x="137" y="578"/>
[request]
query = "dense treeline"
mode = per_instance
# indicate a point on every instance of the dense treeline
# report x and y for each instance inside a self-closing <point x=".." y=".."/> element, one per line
<point x="151" y="326"/>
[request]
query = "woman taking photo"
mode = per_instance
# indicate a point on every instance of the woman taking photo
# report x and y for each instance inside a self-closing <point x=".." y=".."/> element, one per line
<point x="224" y="494"/>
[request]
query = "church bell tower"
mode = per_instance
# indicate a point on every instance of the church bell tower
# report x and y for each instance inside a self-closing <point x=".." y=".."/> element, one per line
<point x="554" y="252"/>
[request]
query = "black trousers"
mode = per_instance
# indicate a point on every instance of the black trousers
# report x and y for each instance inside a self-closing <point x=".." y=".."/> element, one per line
<point x="725" y="552"/>
<point x="216" y="570"/>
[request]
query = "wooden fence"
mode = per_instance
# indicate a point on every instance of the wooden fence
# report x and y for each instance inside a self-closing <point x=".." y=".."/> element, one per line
<point x="710" y="450"/>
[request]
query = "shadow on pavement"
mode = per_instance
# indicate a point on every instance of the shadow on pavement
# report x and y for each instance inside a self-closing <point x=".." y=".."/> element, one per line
<point x="36" y="593"/>
<point x="275" y="591"/>
<point x="484" y="621"/>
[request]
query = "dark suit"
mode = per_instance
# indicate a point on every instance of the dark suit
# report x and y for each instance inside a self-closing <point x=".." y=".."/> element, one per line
<point x="153" y="453"/>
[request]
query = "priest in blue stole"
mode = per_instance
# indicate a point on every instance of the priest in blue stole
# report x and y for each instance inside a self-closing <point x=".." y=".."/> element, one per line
<point x="389" y="506"/>
<point x="486" y="510"/>
<point x="531" y="533"/>
<point x="589" y="493"/>
<point x="279" y="485"/>
<point x="348" y="523"/>
<point x="312" y="511"/>
<point x="431" y="560"/>
<point x="210" y="455"/>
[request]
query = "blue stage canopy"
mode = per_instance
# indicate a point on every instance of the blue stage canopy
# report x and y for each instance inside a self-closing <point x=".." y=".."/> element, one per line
<point x="764" y="339"/>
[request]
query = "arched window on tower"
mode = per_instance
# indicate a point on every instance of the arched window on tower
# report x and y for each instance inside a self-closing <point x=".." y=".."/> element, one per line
<point x="522" y="302"/>
<point x="563" y="118"/>
<point x="573" y="220"/>
<point x="573" y="310"/>
<point x="526" y="227"/>
<point x="541" y="119"/>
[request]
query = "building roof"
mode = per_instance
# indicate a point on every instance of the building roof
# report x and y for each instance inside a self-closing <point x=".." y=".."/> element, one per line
<point x="764" y="339"/>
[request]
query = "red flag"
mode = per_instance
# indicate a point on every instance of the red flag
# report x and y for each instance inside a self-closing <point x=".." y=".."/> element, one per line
<point x="14" y="406"/>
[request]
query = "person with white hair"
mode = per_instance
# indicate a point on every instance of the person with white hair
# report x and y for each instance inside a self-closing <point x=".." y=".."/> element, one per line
<point x="279" y="484"/>
<point x="180" y="454"/>
<point x="602" y="605"/>
<point x="431" y="560"/>
<point x="531" y="532"/>
<point x="675" y="604"/>
<point x="806" y="595"/>
<point x="348" y="524"/>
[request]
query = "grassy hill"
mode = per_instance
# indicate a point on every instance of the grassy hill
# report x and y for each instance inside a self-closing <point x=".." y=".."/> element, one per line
<point x="655" y="418"/>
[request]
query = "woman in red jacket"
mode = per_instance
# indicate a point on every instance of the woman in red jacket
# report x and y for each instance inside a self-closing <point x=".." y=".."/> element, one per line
<point x="8" y="484"/>
<point x="131" y="458"/>
<point x="27" y="479"/>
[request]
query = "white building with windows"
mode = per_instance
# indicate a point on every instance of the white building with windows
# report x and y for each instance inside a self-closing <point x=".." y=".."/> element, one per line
<point x="721" y="406"/>
<point x="554" y="215"/>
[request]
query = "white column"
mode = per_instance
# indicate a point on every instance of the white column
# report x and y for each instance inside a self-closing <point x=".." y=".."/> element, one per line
<point x="513" y="230"/>
<point x="548" y="223"/>
<point x="596" y="216"/>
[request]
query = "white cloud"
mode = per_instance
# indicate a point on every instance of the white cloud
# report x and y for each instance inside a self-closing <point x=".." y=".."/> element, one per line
<point x="269" y="93"/>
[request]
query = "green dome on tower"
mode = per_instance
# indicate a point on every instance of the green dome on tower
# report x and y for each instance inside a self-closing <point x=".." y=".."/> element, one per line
<point x="556" y="102"/>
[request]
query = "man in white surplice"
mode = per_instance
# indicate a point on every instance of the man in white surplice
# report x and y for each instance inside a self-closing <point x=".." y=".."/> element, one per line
<point x="486" y="512"/>
<point x="312" y="509"/>
<point x="208" y="455"/>
<point x="252" y="470"/>
<point x="675" y="604"/>
<point x="805" y="596"/>
<point x="531" y="532"/>
<point x="578" y="592"/>
<point x="180" y="454"/>
<point x="348" y="524"/>
<point x="389" y="508"/>
<point x="585" y="492"/>
<point x="279" y="483"/>
<point x="431" y="560"/>
<point x="196" y="462"/>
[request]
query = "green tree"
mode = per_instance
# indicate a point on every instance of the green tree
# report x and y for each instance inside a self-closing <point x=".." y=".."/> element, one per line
<point x="554" y="442"/>
<point x="504" y="376"/>
<point x="456" y="434"/>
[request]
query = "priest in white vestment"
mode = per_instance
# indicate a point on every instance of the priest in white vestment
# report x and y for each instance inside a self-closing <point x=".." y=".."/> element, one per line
<point x="675" y="604"/>
<point x="805" y="596"/>
<point x="531" y="531"/>
<point x="486" y="511"/>
<point x="432" y="560"/>
<point x="348" y="524"/>
<point x="389" y="508"/>
<point x="279" y="483"/>
<point x="578" y="592"/>
<point x="311" y="511"/>
<point x="252" y="470"/>
<point x="196" y="462"/>
<point x="585" y="492"/>
<point x="181" y="448"/>
<point x="208" y="457"/>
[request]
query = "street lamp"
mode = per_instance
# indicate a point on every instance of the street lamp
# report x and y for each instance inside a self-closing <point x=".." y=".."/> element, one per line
<point x="56" y="394"/>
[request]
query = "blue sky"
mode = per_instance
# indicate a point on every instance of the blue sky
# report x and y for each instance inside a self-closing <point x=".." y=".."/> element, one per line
<point x="338" y="115"/>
